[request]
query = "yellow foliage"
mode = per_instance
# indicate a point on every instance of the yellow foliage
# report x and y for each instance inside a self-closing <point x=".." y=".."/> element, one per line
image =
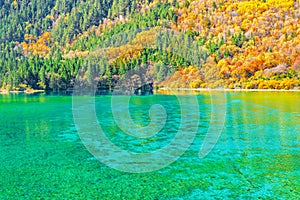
<point x="252" y="6"/>
<point x="280" y="3"/>
<point x="36" y="45"/>
<point x="184" y="78"/>
<point x="42" y="85"/>
<point x="15" y="4"/>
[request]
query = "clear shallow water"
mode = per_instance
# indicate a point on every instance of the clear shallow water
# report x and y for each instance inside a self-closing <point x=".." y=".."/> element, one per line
<point x="257" y="155"/>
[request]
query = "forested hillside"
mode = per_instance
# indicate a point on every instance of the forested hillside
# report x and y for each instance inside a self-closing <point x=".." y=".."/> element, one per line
<point x="215" y="43"/>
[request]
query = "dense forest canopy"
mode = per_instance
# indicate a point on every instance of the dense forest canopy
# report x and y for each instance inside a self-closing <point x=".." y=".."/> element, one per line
<point x="182" y="43"/>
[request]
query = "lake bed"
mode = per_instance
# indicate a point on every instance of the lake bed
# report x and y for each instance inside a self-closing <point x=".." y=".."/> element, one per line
<point x="256" y="155"/>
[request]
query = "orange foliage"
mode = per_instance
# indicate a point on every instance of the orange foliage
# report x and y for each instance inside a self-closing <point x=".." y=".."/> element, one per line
<point x="36" y="45"/>
<point x="270" y="32"/>
<point x="184" y="78"/>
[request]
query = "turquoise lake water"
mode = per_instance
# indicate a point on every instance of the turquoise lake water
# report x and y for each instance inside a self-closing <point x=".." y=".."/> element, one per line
<point x="257" y="155"/>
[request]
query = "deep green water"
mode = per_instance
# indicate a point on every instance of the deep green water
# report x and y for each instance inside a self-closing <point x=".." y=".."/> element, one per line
<point x="257" y="155"/>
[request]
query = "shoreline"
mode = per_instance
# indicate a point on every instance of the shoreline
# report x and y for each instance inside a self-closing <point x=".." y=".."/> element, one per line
<point x="227" y="90"/>
<point x="28" y="91"/>
<point x="32" y="91"/>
